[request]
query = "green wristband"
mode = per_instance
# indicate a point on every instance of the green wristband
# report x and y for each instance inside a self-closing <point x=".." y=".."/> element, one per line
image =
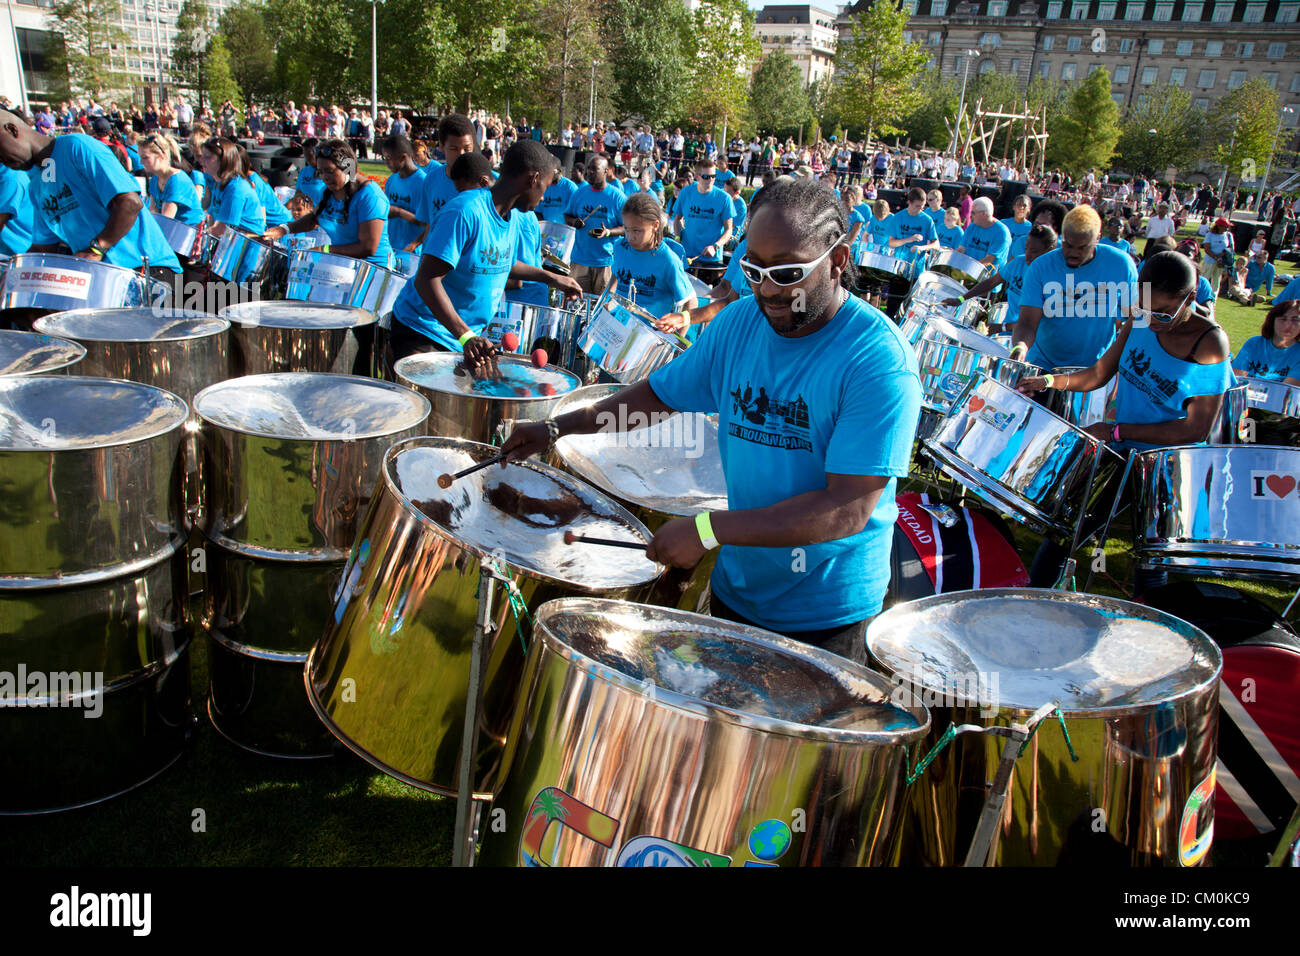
<point x="465" y="338"/>
<point x="704" y="527"/>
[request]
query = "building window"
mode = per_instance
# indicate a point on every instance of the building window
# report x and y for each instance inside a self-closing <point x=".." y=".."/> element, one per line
<point x="1254" y="13"/>
<point x="1164" y="11"/>
<point x="1149" y="74"/>
<point x="1156" y="47"/>
<point x="1133" y="10"/>
<point x="1106" y="11"/>
<point x="1201" y="103"/>
<point x="1067" y="71"/>
<point x="935" y="38"/>
<point x="1287" y="12"/>
<point x="997" y="8"/>
<point x="1178" y="76"/>
<point x="1223" y="12"/>
<point x="1048" y="41"/>
<point x="1119" y="100"/>
<point x="1126" y="45"/>
<point x="990" y="39"/>
<point x="1054" y="10"/>
<point x="1015" y="69"/>
<point x="1245" y="51"/>
<point x="1141" y="101"/>
<point x="1205" y="81"/>
<point x="987" y="65"/>
<point x="1121" y="73"/>
<point x="1277" y="51"/>
<point x="907" y="37"/>
<point x="1270" y="79"/>
<point x="1192" y="12"/>
<point x="1184" y="48"/>
<point x="1236" y="79"/>
<point x="1045" y="69"/>
<point x="1214" y="48"/>
<point x="1079" y="9"/>
<point x="1072" y="43"/>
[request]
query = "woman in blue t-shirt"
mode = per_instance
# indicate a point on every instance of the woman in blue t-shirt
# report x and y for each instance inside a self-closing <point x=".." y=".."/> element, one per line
<point x="647" y="271"/>
<point x="171" y="191"/>
<point x="276" y="213"/>
<point x="1274" y="354"/>
<point x="354" y="211"/>
<point x="234" y="202"/>
<point x="1172" y="363"/>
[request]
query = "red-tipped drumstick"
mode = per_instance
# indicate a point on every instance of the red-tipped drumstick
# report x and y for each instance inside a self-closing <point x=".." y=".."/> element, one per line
<point x="445" y="480"/>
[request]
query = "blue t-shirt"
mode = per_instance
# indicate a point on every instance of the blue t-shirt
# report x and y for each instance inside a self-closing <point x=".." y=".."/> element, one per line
<point x="981" y="241"/>
<point x="1260" y="358"/>
<point x="878" y="233"/>
<point x="1013" y="275"/>
<point x="903" y="224"/>
<point x="597" y="207"/>
<point x="1257" y="277"/>
<point x="844" y="400"/>
<point x="528" y="250"/>
<point x="276" y="213"/>
<point x="556" y="199"/>
<point x="180" y="190"/>
<point x="657" y="277"/>
<point x="733" y="274"/>
<point x="1155" y="387"/>
<point x="70" y="195"/>
<point x="725" y="174"/>
<point x="200" y="180"/>
<point x="704" y="220"/>
<point x="1123" y="245"/>
<point x="1019" y="231"/>
<point x="133" y="154"/>
<point x="310" y="184"/>
<point x="739" y="210"/>
<point x="15" y="199"/>
<point x="1203" y="291"/>
<point x="437" y="192"/>
<point x="404" y="192"/>
<point x="1292" y="291"/>
<point x="935" y="214"/>
<point x="950" y="238"/>
<point x="1080" y="306"/>
<point x="471" y="237"/>
<point x="369" y="202"/>
<point x="236" y="204"/>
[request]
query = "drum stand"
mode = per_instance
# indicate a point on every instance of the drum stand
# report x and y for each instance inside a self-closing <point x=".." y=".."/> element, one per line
<point x="467" y="808"/>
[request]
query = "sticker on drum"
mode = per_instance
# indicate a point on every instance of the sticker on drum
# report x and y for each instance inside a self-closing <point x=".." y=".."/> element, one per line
<point x="951" y="383"/>
<point x="65" y="283"/>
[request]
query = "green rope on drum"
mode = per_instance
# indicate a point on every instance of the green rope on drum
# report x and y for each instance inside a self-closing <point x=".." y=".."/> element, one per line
<point x="1074" y="757"/>
<point x="920" y="768"/>
<point x="515" y="597"/>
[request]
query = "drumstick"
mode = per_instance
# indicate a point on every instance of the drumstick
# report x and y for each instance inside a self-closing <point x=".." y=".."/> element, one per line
<point x="570" y="538"/>
<point x="445" y="480"/>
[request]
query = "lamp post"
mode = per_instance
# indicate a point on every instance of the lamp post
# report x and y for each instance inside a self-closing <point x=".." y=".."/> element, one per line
<point x="591" y="102"/>
<point x="18" y="55"/>
<point x="1223" y="181"/>
<point x="1268" y="166"/>
<point x="157" y="53"/>
<point x="961" y="103"/>
<point x="374" y="60"/>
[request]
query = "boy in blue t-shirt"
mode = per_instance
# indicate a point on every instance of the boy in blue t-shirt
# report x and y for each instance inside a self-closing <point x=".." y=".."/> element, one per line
<point x="404" y="189"/>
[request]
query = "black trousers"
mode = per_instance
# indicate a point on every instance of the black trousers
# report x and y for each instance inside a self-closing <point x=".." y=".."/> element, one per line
<point x="849" y="641"/>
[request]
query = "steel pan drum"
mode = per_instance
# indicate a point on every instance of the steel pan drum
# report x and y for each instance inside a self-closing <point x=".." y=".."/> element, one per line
<point x="957" y="266"/>
<point x="949" y="356"/>
<point x="651" y="737"/>
<point x="293" y="459"/>
<point x="1219" y="510"/>
<point x="92" y="595"/>
<point x="621" y="339"/>
<point x="881" y="268"/>
<point x="294" y="336"/>
<point x="52" y="283"/>
<point x="406" y="263"/>
<point x="557" y="245"/>
<point x="537" y="327"/>
<point x="464" y="407"/>
<point x="404" y="621"/>
<point x="240" y="257"/>
<point x="28" y="353"/>
<point x="184" y="239"/>
<point x="1275" y="409"/>
<point x="341" y="280"/>
<point x="1015" y="454"/>
<point x="1139" y="692"/>
<point x="672" y="469"/>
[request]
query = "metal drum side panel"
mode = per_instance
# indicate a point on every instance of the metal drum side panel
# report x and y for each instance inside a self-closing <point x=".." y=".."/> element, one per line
<point x="261" y="349"/>
<point x="1215" y="509"/>
<point x="51" y="282"/>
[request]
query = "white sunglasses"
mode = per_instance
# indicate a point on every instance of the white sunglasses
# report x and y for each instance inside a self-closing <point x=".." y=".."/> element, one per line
<point x="789" y="274"/>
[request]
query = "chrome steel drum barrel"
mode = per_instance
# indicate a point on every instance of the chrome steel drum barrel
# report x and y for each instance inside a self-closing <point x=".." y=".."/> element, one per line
<point x="957" y="266"/>
<point x="325" y="277"/>
<point x="621" y="340"/>
<point x="670" y="469"/>
<point x="293" y="459"/>
<point x="652" y="737"/>
<point x="92" y="595"/>
<point x="30" y="353"/>
<point x="557" y="246"/>
<point x="1026" y="462"/>
<point x="1082" y="408"/>
<point x="950" y="356"/>
<point x="404" y="621"/>
<point x="478" y="409"/>
<point x="876" y="267"/>
<point x="294" y="336"/>
<point x="48" y="282"/>
<point x="1219" y="510"/>
<point x="537" y="327"/>
<point x="240" y="257"/>
<point x="184" y="239"/>
<point x="1274" y="409"/>
<point x="1138" y="689"/>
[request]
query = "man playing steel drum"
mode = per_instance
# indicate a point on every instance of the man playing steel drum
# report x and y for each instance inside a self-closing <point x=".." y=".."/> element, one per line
<point x="818" y="399"/>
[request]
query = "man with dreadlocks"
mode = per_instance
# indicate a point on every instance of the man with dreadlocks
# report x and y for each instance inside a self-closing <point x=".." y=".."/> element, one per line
<point x="818" y="399"/>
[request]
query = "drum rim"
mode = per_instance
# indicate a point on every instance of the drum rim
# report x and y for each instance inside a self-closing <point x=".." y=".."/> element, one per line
<point x="52" y="340"/>
<point x="889" y="618"/>
<point x="509" y="358"/>
<point x="223" y="325"/>
<point x="674" y="700"/>
<point x="326" y="378"/>
<point x="19" y="381"/>
<point x="85" y="264"/>
<point x="482" y="452"/>
<point x="239" y="326"/>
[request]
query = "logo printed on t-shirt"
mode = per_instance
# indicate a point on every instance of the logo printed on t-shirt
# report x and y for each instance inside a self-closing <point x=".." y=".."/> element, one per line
<point x="780" y="423"/>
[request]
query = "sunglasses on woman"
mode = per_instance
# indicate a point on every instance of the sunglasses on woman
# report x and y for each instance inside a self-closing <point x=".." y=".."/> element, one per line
<point x="783" y="275"/>
<point x="1162" y="318"/>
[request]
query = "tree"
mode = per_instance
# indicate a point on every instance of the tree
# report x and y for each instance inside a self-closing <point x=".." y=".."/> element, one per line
<point x="252" y="60"/>
<point x="92" y="42"/>
<point x="1086" y="135"/>
<point x="876" y="71"/>
<point x="721" y="50"/>
<point x="413" y="31"/>
<point x="221" y="79"/>
<point x="822" y="108"/>
<point x="645" y="38"/>
<point x="1242" y="125"/>
<point x="939" y="98"/>
<point x="572" y="43"/>
<point x="190" y="45"/>
<point x="499" y="49"/>
<point x="1163" y="131"/>
<point x="777" y="99"/>
<point x="317" y="49"/>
